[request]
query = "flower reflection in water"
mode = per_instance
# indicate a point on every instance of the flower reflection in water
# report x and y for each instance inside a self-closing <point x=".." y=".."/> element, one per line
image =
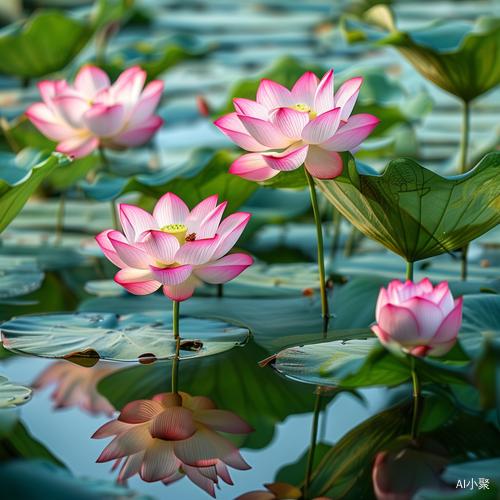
<point x="173" y="435"/>
<point x="77" y="385"/>
<point x="400" y="472"/>
<point x="276" y="491"/>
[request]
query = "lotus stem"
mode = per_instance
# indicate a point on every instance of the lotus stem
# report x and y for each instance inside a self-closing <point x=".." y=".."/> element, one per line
<point x="220" y="290"/>
<point x="312" y="447"/>
<point x="175" y="364"/>
<point x="114" y="215"/>
<point x="60" y="217"/>
<point x="463" y="167"/>
<point x="409" y="271"/>
<point x="321" y="257"/>
<point x="463" y="270"/>
<point x="464" y="143"/>
<point x="416" y="398"/>
<point x="349" y="244"/>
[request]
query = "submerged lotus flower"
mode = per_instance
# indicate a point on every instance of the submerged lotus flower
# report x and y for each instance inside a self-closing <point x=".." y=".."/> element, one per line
<point x="173" y="247"/>
<point x="419" y="319"/>
<point x="173" y="435"/>
<point x="398" y="474"/>
<point x="276" y="491"/>
<point x="77" y="385"/>
<point x="309" y="122"/>
<point x="95" y="113"/>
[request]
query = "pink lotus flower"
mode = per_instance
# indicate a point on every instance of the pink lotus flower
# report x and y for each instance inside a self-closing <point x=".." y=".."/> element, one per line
<point x="309" y="122"/>
<point x="173" y="435"/>
<point x="276" y="491"/>
<point x="419" y="319"/>
<point x="398" y="474"/>
<point x="175" y="247"/>
<point x="77" y="386"/>
<point x="95" y="113"/>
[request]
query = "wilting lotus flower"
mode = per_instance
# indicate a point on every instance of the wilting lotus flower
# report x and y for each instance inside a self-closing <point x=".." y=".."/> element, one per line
<point x="77" y="385"/>
<point x="419" y="319"/>
<point x="277" y="491"/>
<point x="398" y="474"/>
<point x="173" y="435"/>
<point x="309" y="122"/>
<point x="95" y="113"/>
<point x="173" y="247"/>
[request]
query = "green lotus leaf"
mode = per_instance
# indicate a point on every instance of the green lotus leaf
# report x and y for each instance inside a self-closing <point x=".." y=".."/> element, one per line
<point x="34" y="48"/>
<point x="154" y="55"/>
<point x="345" y="471"/>
<point x="357" y="363"/>
<point x="413" y="211"/>
<point x="25" y="479"/>
<point x="275" y="322"/>
<point x="459" y="57"/>
<point x="18" y="443"/>
<point x="203" y="175"/>
<point x="11" y="395"/>
<point x="20" y="176"/>
<point x="18" y="284"/>
<point x="85" y="337"/>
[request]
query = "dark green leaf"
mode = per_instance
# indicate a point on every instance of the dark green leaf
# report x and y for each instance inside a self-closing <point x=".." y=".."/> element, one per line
<point x="415" y="212"/>
<point x="44" y="43"/>
<point x="458" y="57"/>
<point x="19" y="178"/>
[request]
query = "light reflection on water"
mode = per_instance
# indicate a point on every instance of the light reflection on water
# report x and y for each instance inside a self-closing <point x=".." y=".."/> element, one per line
<point x="67" y="434"/>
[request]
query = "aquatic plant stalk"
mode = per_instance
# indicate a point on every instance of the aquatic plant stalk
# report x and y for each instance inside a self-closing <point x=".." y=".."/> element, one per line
<point x="321" y="257"/>
<point x="464" y="143"/>
<point x="416" y="398"/>
<point x="409" y="271"/>
<point x="175" y="364"/>
<point x="104" y="165"/>
<point x="60" y="217"/>
<point x="312" y="447"/>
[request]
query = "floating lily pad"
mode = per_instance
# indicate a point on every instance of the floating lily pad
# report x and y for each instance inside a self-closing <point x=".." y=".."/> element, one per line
<point x="17" y="284"/>
<point x="11" y="395"/>
<point x="203" y="175"/>
<point x="415" y="212"/>
<point x="358" y="363"/>
<point x="456" y="56"/>
<point x="20" y="176"/>
<point x="276" y="322"/>
<point x="33" y="48"/>
<point x="85" y="337"/>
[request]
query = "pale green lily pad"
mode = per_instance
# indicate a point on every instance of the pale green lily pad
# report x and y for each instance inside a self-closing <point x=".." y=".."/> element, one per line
<point x="18" y="284"/>
<point x="104" y="288"/>
<point x="348" y="364"/>
<point x="11" y="395"/>
<point x="275" y="322"/>
<point x="413" y="211"/>
<point x="379" y="95"/>
<point x="203" y="175"/>
<point x="33" y="48"/>
<point x="20" y="176"/>
<point x="456" y="56"/>
<point x="86" y="337"/>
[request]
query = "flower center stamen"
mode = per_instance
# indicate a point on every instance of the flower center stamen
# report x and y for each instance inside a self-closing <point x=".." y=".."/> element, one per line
<point x="177" y="230"/>
<point x="191" y="237"/>
<point x="304" y="108"/>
